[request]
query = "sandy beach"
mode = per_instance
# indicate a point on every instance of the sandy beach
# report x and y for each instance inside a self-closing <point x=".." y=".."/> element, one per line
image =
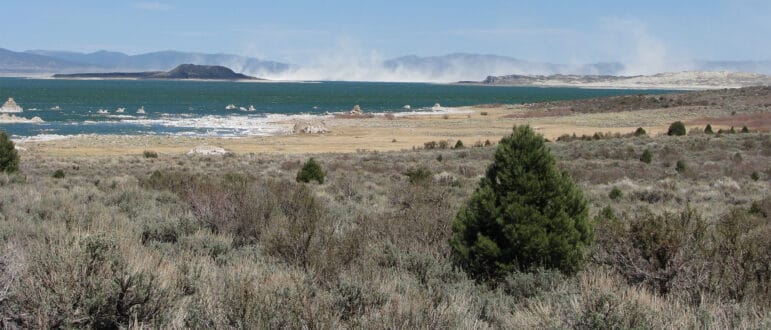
<point x="380" y="133"/>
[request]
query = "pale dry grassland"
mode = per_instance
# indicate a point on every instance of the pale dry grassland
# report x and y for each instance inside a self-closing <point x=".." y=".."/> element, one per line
<point x="234" y="242"/>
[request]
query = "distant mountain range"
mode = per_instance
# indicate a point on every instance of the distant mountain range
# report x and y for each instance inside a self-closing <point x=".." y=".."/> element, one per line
<point x="50" y="62"/>
<point x="445" y="68"/>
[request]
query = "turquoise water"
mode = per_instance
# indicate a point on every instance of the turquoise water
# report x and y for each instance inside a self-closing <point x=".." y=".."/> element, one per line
<point x="198" y="108"/>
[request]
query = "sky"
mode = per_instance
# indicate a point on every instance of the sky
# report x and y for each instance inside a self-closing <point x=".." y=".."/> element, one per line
<point x="302" y="32"/>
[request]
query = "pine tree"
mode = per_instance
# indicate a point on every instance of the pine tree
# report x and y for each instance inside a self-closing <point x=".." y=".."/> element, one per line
<point x="525" y="214"/>
<point x="9" y="158"/>
<point x="677" y="128"/>
<point x="708" y="129"/>
<point x="310" y="171"/>
<point x="646" y="156"/>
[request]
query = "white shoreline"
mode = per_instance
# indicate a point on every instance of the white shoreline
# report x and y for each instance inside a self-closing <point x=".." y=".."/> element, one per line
<point x="232" y="126"/>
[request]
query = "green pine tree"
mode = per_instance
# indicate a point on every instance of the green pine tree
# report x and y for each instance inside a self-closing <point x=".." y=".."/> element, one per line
<point x="310" y="171"/>
<point x="677" y="128"/>
<point x="9" y="158"/>
<point x="646" y="157"/>
<point x="525" y="214"/>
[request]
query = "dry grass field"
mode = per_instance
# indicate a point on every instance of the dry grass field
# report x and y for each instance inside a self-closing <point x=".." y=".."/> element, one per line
<point x="120" y="240"/>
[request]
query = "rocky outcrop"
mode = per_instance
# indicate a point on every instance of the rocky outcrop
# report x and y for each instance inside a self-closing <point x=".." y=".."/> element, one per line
<point x="206" y="150"/>
<point x="11" y="119"/>
<point x="10" y="106"/>
<point x="445" y="178"/>
<point x="310" y="127"/>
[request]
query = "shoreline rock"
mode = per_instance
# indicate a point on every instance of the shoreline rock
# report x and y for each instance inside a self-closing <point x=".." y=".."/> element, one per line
<point x="13" y="119"/>
<point x="310" y="127"/>
<point x="10" y="106"/>
<point x="207" y="150"/>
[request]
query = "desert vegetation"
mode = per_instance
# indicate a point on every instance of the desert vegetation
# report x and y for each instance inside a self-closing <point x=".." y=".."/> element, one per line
<point x="235" y="241"/>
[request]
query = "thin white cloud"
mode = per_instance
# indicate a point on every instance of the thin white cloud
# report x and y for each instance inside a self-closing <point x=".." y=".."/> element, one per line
<point x="504" y="32"/>
<point x="152" y="6"/>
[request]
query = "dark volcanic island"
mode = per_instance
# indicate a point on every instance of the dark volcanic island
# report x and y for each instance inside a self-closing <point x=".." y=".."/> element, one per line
<point x="184" y="71"/>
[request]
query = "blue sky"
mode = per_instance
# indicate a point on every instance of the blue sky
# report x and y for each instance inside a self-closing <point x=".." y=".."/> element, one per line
<point x="298" y="31"/>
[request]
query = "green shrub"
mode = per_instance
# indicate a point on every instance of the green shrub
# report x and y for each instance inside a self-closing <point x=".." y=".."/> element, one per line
<point x="708" y="129"/>
<point x="755" y="176"/>
<point x="745" y="129"/>
<point x="676" y="129"/>
<point x="525" y="214"/>
<point x="58" y="174"/>
<point x="646" y="157"/>
<point x="640" y="132"/>
<point x="615" y="193"/>
<point x="9" y="158"/>
<point x="150" y="154"/>
<point x="459" y="144"/>
<point x="680" y="166"/>
<point x="761" y="208"/>
<point x="418" y="175"/>
<point x="439" y="158"/>
<point x="164" y="232"/>
<point x="310" y="171"/>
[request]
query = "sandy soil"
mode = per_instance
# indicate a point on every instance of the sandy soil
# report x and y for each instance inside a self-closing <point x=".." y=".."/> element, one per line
<point x="723" y="109"/>
<point x="351" y="135"/>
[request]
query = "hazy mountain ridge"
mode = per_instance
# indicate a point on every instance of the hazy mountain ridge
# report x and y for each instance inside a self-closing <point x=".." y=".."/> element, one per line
<point x="445" y="68"/>
<point x="45" y="61"/>
<point x="15" y="62"/>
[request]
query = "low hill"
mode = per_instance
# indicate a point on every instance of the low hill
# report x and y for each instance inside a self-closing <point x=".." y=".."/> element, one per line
<point x="15" y="62"/>
<point x="184" y="71"/>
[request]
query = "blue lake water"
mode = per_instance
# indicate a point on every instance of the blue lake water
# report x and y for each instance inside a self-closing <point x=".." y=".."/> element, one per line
<point x="196" y="108"/>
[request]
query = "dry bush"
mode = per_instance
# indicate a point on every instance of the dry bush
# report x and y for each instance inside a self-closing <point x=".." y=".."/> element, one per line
<point x="85" y="283"/>
<point x="200" y="248"/>
<point x="284" y="216"/>
<point x="684" y="255"/>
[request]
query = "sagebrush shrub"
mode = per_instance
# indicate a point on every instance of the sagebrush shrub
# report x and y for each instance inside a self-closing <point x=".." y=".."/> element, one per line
<point x="680" y="167"/>
<point x="525" y="214"/>
<point x="615" y="193"/>
<point x="418" y="175"/>
<point x="311" y="171"/>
